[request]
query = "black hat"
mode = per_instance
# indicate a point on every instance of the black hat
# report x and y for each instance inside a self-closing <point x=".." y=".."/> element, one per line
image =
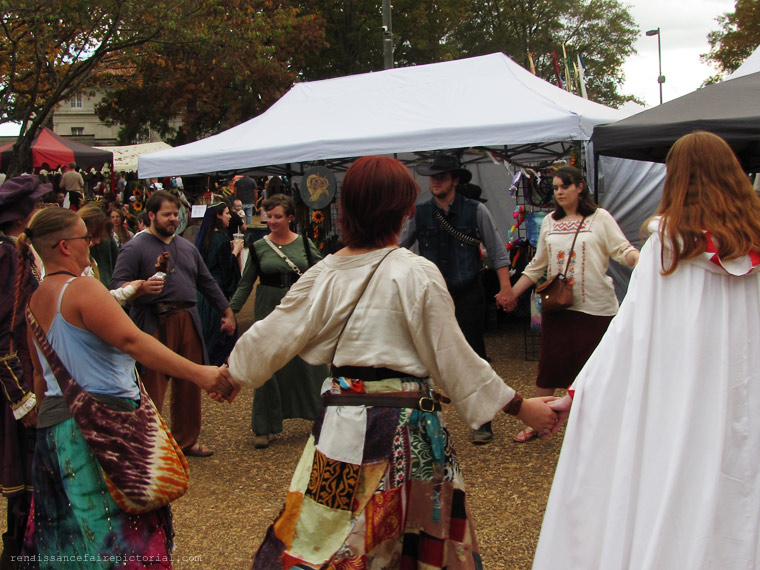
<point x="471" y="191"/>
<point x="446" y="163"/>
<point x="18" y="196"/>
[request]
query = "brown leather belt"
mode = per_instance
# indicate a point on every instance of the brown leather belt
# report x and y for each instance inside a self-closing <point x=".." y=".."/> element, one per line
<point x="388" y="400"/>
<point x="166" y="309"/>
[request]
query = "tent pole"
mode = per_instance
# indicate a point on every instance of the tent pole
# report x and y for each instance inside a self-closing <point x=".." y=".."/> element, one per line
<point x="596" y="177"/>
<point x="387" y="36"/>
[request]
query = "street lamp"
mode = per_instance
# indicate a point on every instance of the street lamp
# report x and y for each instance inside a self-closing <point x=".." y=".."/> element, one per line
<point x="387" y="36"/>
<point x="660" y="77"/>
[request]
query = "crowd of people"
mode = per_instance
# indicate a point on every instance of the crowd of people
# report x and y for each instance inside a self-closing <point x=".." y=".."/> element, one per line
<point x="370" y="343"/>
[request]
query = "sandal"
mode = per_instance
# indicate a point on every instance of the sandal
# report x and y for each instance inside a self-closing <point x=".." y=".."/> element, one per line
<point x="197" y="450"/>
<point x="525" y="435"/>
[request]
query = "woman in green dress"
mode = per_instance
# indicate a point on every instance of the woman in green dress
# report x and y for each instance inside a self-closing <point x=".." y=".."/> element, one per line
<point x="278" y="260"/>
<point x="220" y="256"/>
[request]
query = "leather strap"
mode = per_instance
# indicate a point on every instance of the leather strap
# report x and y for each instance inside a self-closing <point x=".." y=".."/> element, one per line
<point x="451" y="230"/>
<point x="359" y="298"/>
<point x="572" y="247"/>
<point x="387" y="400"/>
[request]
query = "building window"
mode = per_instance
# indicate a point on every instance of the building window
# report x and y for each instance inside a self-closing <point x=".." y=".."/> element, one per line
<point x="76" y="101"/>
<point x="77" y="131"/>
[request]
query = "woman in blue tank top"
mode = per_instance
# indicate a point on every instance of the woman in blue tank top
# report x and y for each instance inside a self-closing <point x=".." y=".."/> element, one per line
<point x="75" y="515"/>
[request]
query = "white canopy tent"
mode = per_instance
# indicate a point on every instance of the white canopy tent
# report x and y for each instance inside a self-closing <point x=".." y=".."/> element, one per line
<point x="125" y="157"/>
<point x="750" y="65"/>
<point x="487" y="101"/>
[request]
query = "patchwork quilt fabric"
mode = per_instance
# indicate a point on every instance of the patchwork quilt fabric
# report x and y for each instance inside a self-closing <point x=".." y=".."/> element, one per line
<point x="375" y="488"/>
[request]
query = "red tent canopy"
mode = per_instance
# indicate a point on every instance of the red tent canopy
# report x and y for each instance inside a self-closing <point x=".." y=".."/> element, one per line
<point x="54" y="151"/>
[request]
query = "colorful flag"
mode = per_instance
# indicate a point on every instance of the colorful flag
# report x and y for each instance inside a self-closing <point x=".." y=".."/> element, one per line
<point x="556" y="69"/>
<point x="532" y="65"/>
<point x="581" y="76"/>
<point x="568" y="78"/>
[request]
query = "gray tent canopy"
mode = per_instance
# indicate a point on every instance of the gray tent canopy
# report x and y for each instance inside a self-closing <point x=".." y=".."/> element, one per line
<point x="729" y="109"/>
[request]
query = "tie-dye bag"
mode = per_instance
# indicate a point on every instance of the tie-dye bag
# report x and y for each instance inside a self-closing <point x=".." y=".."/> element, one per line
<point x="142" y="465"/>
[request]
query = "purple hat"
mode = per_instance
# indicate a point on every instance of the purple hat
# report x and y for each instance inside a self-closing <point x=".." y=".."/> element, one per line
<point x="18" y="196"/>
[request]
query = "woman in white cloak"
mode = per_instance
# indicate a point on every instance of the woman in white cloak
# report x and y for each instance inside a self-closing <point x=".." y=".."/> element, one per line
<point x="660" y="466"/>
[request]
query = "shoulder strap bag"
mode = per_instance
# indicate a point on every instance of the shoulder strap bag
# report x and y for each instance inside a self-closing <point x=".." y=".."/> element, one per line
<point x="143" y="467"/>
<point x="557" y="293"/>
<point x="285" y="258"/>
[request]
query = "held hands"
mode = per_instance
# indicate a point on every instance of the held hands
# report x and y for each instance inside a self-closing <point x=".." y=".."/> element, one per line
<point x="507" y="300"/>
<point x="562" y="408"/>
<point x="218" y="383"/>
<point x="228" y="325"/>
<point x="538" y="413"/>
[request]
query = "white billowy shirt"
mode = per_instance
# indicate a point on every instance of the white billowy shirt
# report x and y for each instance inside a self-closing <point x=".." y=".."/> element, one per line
<point x="404" y="320"/>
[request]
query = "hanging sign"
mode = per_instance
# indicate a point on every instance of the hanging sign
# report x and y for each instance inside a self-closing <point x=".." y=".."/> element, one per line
<point x="318" y="187"/>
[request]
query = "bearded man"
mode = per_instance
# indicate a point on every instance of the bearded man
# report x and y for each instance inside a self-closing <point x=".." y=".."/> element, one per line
<point x="169" y="310"/>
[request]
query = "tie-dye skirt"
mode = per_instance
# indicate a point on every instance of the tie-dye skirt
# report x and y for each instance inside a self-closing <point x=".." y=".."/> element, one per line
<point x="375" y="488"/>
<point x="76" y="521"/>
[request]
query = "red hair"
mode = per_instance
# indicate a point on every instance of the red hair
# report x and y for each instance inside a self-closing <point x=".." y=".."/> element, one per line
<point x="707" y="190"/>
<point x="377" y="193"/>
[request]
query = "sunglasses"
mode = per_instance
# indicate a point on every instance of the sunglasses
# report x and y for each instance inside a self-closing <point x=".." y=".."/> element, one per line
<point x="87" y="238"/>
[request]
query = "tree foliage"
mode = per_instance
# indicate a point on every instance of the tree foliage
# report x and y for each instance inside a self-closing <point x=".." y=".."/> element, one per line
<point x="50" y="49"/>
<point x="213" y="73"/>
<point x="601" y="31"/>
<point x="354" y="36"/>
<point x="426" y="31"/>
<point x="737" y="38"/>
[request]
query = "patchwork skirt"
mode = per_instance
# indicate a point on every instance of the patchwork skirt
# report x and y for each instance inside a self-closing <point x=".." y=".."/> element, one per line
<point x="375" y="488"/>
<point x="77" y="523"/>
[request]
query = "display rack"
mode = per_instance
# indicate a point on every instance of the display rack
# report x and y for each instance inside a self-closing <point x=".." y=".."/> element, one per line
<point x="533" y="199"/>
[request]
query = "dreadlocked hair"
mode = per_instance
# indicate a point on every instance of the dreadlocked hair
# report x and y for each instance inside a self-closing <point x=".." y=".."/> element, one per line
<point x="44" y="231"/>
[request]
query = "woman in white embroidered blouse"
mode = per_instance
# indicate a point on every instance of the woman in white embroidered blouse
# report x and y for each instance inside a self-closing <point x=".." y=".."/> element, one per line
<point x="378" y="484"/>
<point x="568" y="337"/>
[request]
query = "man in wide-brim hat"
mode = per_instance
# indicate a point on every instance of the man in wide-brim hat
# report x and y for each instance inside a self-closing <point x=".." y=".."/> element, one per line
<point x="449" y="229"/>
<point x="443" y="163"/>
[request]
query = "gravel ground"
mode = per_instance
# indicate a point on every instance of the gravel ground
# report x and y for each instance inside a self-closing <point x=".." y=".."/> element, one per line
<point x="236" y="494"/>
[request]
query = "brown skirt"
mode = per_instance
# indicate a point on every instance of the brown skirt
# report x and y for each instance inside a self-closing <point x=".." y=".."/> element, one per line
<point x="567" y="340"/>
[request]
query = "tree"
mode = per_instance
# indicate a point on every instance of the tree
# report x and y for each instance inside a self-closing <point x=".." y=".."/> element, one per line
<point x="601" y="31"/>
<point x="426" y="31"/>
<point x="50" y="49"/>
<point x="354" y="38"/>
<point x="736" y="40"/>
<point x="213" y="73"/>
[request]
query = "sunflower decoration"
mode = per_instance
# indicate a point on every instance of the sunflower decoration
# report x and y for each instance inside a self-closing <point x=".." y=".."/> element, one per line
<point x="137" y="203"/>
<point x="318" y="229"/>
